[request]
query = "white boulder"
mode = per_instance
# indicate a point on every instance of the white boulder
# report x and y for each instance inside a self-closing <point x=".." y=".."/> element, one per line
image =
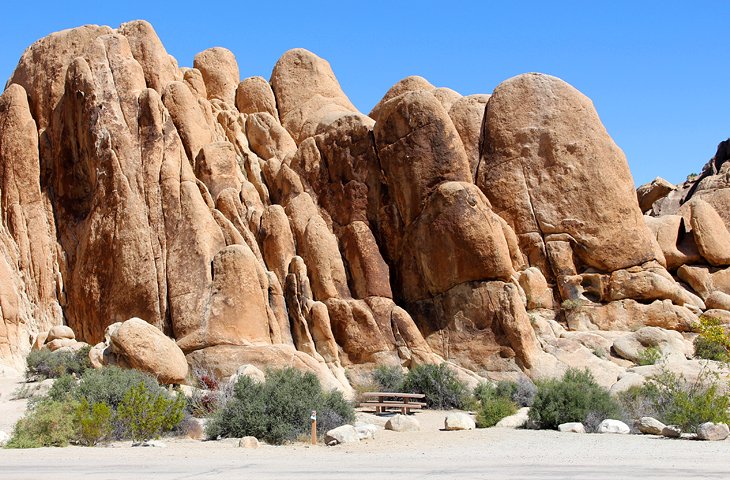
<point x="613" y="426"/>
<point x="402" y="423"/>
<point x="459" y="421"/>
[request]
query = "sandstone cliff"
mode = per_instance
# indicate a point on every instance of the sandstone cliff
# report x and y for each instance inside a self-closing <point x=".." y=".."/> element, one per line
<point x="272" y="223"/>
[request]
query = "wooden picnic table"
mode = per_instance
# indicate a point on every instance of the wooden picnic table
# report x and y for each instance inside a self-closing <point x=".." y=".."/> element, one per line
<point x="383" y="401"/>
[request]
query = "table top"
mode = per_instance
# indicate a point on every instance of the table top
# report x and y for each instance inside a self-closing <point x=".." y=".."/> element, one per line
<point x="393" y="394"/>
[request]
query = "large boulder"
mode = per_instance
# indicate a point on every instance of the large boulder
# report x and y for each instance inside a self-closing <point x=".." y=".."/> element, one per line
<point x="308" y="95"/>
<point x="713" y="431"/>
<point x="541" y="138"/>
<point x="220" y="72"/>
<point x="459" y="421"/>
<point x="710" y="233"/>
<point x="144" y="347"/>
<point x="419" y="148"/>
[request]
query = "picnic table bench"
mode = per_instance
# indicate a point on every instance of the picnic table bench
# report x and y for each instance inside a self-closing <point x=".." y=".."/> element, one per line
<point x="383" y="401"/>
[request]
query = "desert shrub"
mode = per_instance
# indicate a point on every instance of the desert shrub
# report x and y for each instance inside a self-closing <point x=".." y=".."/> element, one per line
<point x="713" y="342"/>
<point x="47" y="424"/>
<point x="494" y="409"/>
<point x="673" y="400"/>
<point x="389" y="379"/>
<point x="441" y="387"/>
<point x="94" y="422"/>
<point x="649" y="356"/>
<point x="524" y="394"/>
<point x="63" y="388"/>
<point x="521" y="393"/>
<point x="279" y="409"/>
<point x="109" y="385"/>
<point x="43" y="363"/>
<point x="147" y="412"/>
<point x="576" y="397"/>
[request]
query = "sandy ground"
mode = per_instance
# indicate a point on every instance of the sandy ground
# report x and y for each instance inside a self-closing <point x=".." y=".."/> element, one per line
<point x="431" y="453"/>
<point x="10" y="410"/>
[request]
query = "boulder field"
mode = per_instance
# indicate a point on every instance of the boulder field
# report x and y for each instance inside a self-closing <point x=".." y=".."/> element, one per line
<point x="271" y="223"/>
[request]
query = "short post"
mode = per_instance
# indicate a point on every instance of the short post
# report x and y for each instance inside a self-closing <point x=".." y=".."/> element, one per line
<point x="313" y="418"/>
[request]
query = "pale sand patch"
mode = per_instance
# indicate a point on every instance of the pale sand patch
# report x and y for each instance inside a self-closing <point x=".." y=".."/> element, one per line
<point x="488" y="453"/>
<point x="10" y="410"/>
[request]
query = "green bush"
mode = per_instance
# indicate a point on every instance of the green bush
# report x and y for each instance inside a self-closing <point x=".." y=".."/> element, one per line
<point x="649" y="356"/>
<point x="43" y="363"/>
<point x="63" y="388"/>
<point x="279" y="409"/>
<point x="494" y="409"/>
<point x="148" y="412"/>
<point x="713" y="342"/>
<point x="671" y="399"/>
<point x="94" y="422"/>
<point x="109" y="385"/>
<point x="441" y="387"/>
<point x="576" y="397"/>
<point x="47" y="424"/>
<point x="389" y="379"/>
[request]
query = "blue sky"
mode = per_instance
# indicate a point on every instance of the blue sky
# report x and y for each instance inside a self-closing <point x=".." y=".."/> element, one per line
<point x="658" y="72"/>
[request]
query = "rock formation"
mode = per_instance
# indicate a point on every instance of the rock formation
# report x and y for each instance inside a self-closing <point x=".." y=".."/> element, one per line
<point x="271" y="223"/>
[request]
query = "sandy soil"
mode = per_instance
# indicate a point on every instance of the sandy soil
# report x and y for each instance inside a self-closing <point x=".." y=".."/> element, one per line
<point x="10" y="410"/>
<point x="431" y="453"/>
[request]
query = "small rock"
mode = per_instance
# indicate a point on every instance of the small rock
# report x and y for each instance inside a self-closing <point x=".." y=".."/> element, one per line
<point x="713" y="431"/>
<point x="650" y="426"/>
<point x="572" y="427"/>
<point x="342" y="434"/>
<point x="459" y="421"/>
<point x="152" y="443"/>
<point x="366" y="431"/>
<point x="672" y="431"/>
<point x="613" y="426"/>
<point x="402" y="423"/>
<point x="248" y="370"/>
<point x="515" y="421"/>
<point x="689" y="436"/>
<point x="4" y="438"/>
<point x="248" y="442"/>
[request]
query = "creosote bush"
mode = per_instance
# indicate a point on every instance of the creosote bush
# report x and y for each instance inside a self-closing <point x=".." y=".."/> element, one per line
<point x="47" y="424"/>
<point x="439" y="384"/>
<point x="673" y="400"/>
<point x="42" y="364"/>
<point x="576" y="397"/>
<point x="148" y="412"/>
<point x="279" y="409"/>
<point x="713" y="342"/>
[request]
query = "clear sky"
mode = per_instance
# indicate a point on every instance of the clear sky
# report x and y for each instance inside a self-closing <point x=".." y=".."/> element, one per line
<point x="657" y="71"/>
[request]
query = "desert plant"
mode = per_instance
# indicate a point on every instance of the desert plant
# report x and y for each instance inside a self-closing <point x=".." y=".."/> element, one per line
<point x="94" y="422"/>
<point x="109" y="385"/>
<point x="713" y="341"/>
<point x="439" y="384"/>
<point x="494" y="409"/>
<point x="571" y="399"/>
<point x="279" y="409"/>
<point x="389" y="379"/>
<point x="672" y="399"/>
<point x="524" y="394"/>
<point x="43" y="363"/>
<point x="48" y="424"/>
<point x="649" y="356"/>
<point x="148" y="412"/>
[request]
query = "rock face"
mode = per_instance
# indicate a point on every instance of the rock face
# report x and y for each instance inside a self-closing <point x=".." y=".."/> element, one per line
<point x="270" y="223"/>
